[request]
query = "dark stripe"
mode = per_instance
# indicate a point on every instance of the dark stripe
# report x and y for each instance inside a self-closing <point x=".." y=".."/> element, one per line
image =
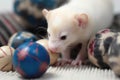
<point x="4" y="27"/>
<point x="98" y="55"/>
<point x="8" y="24"/>
<point x="1" y="43"/>
<point x="5" y="54"/>
<point x="13" y="17"/>
<point x="115" y="47"/>
<point x="3" y="32"/>
<point x="9" y="21"/>
<point x="107" y="43"/>
<point x="3" y="40"/>
<point x="13" y="22"/>
<point x="3" y="67"/>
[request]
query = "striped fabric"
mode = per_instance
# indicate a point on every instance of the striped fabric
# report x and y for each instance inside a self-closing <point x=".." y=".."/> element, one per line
<point x="8" y="26"/>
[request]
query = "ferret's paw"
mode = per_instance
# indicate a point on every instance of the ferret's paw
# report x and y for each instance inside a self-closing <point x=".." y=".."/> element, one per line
<point x="63" y="62"/>
<point x="76" y="63"/>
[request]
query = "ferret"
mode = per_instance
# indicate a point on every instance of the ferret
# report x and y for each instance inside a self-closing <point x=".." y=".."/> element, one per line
<point x="75" y="22"/>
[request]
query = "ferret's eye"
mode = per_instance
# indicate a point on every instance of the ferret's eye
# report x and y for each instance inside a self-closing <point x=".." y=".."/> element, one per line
<point x="63" y="37"/>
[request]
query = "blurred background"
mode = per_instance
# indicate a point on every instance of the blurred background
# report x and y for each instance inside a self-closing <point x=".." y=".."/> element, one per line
<point x="7" y="5"/>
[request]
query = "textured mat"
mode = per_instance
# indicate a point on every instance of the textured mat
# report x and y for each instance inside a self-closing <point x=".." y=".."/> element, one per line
<point x="67" y="73"/>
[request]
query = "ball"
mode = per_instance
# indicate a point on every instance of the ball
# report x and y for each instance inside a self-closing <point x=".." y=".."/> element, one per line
<point x="21" y="37"/>
<point x="114" y="55"/>
<point x="31" y="10"/>
<point x="6" y="54"/>
<point x="31" y="60"/>
<point x="53" y="56"/>
<point x="98" y="48"/>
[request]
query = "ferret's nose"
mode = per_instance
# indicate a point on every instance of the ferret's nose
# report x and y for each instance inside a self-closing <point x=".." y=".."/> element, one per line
<point x="53" y="50"/>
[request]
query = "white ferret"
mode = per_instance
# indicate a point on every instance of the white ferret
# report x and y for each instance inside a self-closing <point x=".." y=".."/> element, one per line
<point x="74" y="23"/>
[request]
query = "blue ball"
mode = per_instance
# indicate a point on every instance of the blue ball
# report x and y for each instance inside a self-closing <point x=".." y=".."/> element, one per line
<point x="21" y="37"/>
<point x="31" y="60"/>
<point x="22" y="8"/>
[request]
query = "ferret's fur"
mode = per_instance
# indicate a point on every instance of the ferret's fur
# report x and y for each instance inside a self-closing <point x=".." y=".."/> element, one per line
<point x="76" y="21"/>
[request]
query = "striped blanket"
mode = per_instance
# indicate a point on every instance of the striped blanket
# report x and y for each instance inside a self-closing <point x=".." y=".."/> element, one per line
<point x="8" y="26"/>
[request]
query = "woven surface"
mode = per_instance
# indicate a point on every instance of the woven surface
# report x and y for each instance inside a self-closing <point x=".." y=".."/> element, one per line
<point x="67" y="73"/>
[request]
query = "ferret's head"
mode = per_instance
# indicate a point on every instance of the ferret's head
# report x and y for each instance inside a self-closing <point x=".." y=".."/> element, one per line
<point x="63" y="29"/>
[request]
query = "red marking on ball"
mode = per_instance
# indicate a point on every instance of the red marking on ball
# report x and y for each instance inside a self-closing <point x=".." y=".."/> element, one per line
<point x="22" y="54"/>
<point x="35" y="58"/>
<point x="36" y="50"/>
<point x="30" y="43"/>
<point x="43" y="67"/>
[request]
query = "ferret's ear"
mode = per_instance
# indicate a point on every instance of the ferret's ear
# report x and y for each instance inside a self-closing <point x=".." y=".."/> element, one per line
<point x="45" y="12"/>
<point x="81" y="20"/>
